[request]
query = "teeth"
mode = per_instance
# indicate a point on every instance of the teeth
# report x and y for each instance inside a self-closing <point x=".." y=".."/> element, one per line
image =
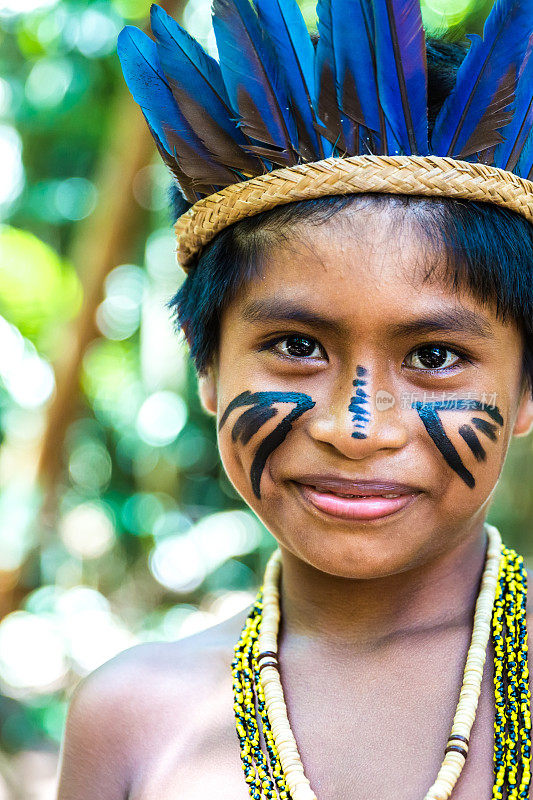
<point x="389" y="495"/>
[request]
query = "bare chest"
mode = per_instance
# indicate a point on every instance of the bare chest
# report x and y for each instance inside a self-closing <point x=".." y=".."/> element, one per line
<point x="358" y="739"/>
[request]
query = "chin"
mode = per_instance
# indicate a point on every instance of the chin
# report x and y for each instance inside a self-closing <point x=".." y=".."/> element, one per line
<point x="354" y="561"/>
<point x="357" y="552"/>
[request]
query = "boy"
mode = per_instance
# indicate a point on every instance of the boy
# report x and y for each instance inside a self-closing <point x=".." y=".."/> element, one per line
<point x="368" y="359"/>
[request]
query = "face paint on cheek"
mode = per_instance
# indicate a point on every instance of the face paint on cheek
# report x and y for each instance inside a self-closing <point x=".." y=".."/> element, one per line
<point x="485" y="427"/>
<point x="358" y="403"/>
<point x="428" y="413"/>
<point x="261" y="411"/>
<point x="469" y="435"/>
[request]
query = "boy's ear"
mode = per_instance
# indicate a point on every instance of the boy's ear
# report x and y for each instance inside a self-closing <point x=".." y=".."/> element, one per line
<point x="524" y="418"/>
<point x="207" y="389"/>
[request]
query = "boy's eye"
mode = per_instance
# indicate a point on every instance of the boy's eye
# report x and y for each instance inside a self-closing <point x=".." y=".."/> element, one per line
<point x="298" y="347"/>
<point x="432" y="357"/>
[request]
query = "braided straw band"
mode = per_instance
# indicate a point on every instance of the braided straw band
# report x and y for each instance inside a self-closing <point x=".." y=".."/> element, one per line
<point x="417" y="175"/>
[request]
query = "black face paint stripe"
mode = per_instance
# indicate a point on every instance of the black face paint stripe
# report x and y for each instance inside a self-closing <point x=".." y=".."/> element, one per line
<point x="434" y="427"/>
<point x="486" y="427"/>
<point x="429" y="416"/>
<point x="242" y="399"/>
<point x="469" y="435"/>
<point x="359" y="371"/>
<point x="251" y="420"/>
<point x="465" y="404"/>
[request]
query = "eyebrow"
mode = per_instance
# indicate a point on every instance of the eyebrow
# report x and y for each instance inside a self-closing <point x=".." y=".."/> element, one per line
<point x="282" y="310"/>
<point x="460" y="320"/>
<point x="456" y="320"/>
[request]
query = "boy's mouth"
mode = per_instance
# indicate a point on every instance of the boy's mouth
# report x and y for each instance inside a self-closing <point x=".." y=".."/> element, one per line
<point x="355" y="500"/>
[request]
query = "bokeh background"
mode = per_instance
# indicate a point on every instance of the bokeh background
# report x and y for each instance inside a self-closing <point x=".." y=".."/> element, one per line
<point x="117" y="524"/>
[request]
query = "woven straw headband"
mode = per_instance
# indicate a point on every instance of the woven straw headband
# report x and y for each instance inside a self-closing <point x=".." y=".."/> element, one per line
<point x="411" y="175"/>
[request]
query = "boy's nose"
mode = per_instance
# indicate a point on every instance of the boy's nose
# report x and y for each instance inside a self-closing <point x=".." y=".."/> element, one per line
<point x="360" y="421"/>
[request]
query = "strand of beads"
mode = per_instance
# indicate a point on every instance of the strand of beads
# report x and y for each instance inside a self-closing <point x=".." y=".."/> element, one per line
<point x="498" y="621"/>
<point x="253" y="759"/>
<point x="455" y="754"/>
<point x="247" y="688"/>
<point x="297" y="783"/>
<point x="454" y="759"/>
<point x="512" y="721"/>
<point x="273" y="755"/>
<point x="523" y="681"/>
<point x="511" y="744"/>
<point x="256" y="674"/>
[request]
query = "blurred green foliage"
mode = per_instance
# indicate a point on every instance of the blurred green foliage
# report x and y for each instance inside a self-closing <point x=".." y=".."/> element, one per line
<point x="150" y="539"/>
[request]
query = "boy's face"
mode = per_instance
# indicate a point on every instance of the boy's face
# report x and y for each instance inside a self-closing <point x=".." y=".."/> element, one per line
<point x="340" y="365"/>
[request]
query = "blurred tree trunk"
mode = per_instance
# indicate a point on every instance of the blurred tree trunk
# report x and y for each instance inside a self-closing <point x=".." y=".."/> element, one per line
<point x="104" y="240"/>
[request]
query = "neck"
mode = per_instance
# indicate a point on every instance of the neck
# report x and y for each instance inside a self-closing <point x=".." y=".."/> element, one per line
<point x="322" y="609"/>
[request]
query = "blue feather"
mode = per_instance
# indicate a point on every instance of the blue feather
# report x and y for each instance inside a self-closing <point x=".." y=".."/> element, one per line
<point x="255" y="86"/>
<point x="146" y="82"/>
<point x="342" y="133"/>
<point x="524" y="168"/>
<point x="346" y="57"/>
<point x="355" y="58"/>
<point x="518" y="132"/>
<point x="402" y="74"/>
<point x="198" y="88"/>
<point x="470" y="117"/>
<point x="143" y="76"/>
<point x="516" y="152"/>
<point x="185" y="62"/>
<point x="283" y="22"/>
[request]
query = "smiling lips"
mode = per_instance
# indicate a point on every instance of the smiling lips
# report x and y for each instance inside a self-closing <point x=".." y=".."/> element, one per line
<point x="355" y="500"/>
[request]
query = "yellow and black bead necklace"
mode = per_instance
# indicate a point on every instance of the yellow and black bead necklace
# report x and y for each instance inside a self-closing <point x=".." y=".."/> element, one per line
<point x="261" y="763"/>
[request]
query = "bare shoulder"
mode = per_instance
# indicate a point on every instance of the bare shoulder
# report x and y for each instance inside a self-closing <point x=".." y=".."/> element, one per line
<point x="128" y="707"/>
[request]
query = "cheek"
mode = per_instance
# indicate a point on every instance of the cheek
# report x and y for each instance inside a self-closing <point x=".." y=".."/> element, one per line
<point x="236" y="459"/>
<point x="469" y="464"/>
<point x="251" y="428"/>
<point x="467" y="433"/>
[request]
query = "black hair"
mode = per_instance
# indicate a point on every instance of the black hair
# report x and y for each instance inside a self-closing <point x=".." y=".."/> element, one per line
<point x="489" y="250"/>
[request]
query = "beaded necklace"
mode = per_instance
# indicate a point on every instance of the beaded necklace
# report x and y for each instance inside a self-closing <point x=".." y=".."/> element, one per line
<point x="275" y="770"/>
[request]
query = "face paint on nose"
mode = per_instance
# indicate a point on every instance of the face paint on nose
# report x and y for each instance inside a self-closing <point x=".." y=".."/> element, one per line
<point x="428" y="413"/>
<point x="358" y="403"/>
<point x="261" y="411"/>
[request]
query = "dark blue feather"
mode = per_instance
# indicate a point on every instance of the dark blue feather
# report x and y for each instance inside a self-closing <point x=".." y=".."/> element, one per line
<point x="516" y="152"/>
<point x="143" y="76"/>
<point x="517" y="133"/>
<point x="146" y="82"/>
<point x="255" y="86"/>
<point x="346" y="75"/>
<point x="198" y="88"/>
<point x="355" y="59"/>
<point x="185" y="61"/>
<point x="402" y="74"/>
<point x="524" y="168"/>
<point x="470" y="118"/>
<point x="283" y="22"/>
<point x="185" y="184"/>
<point x="340" y="132"/>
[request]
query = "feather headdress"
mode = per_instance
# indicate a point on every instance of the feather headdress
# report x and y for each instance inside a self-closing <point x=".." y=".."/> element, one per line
<point x="274" y="103"/>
